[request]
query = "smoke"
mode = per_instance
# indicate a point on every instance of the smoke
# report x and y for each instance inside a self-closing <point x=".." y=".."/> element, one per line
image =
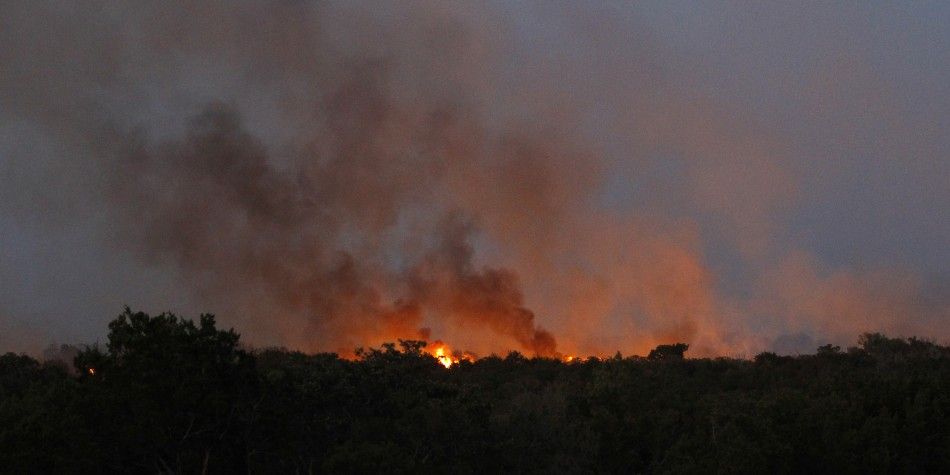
<point x="489" y="298"/>
<point x="214" y="204"/>
<point x="333" y="175"/>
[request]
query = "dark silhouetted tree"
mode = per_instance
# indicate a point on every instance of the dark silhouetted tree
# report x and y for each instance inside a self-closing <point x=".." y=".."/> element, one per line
<point x="668" y="352"/>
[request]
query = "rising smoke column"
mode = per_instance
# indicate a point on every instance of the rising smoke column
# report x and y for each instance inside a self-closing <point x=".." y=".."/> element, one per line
<point x="215" y="205"/>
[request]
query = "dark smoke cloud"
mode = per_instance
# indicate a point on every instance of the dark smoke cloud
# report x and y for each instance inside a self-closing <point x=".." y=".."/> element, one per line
<point x="488" y="297"/>
<point x="215" y="205"/>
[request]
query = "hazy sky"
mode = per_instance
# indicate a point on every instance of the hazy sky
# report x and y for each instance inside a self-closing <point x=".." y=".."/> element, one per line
<point x="585" y="176"/>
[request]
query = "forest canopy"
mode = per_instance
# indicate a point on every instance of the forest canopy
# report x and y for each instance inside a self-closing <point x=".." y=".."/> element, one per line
<point x="168" y="394"/>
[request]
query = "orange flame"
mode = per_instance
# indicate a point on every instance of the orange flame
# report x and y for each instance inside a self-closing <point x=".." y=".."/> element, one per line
<point x="446" y="357"/>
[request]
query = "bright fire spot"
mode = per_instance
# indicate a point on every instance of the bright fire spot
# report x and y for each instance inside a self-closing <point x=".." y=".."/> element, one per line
<point x="92" y="371"/>
<point x="443" y="358"/>
<point x="446" y="357"/>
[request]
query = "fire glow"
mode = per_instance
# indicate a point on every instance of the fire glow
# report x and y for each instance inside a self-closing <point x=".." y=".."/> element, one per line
<point x="446" y="357"/>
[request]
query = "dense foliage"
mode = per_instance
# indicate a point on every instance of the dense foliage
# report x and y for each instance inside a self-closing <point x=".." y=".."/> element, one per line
<point x="170" y="395"/>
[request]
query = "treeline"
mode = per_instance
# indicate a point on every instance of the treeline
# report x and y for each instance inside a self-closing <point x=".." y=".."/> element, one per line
<point x="171" y="395"/>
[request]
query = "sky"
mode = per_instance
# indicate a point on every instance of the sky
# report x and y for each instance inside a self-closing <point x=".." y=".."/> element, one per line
<point x="546" y="177"/>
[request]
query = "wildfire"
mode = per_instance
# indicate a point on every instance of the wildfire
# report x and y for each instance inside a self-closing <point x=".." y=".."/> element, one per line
<point x="92" y="371"/>
<point x="446" y="357"/>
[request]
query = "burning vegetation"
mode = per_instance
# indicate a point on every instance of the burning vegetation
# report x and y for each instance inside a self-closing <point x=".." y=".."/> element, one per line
<point x="446" y="357"/>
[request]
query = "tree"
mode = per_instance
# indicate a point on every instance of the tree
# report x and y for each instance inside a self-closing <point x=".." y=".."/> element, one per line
<point x="172" y="392"/>
<point x="668" y="352"/>
<point x="828" y="350"/>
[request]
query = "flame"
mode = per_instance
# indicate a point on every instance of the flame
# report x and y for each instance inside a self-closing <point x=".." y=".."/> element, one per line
<point x="446" y="357"/>
<point x="92" y="371"/>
